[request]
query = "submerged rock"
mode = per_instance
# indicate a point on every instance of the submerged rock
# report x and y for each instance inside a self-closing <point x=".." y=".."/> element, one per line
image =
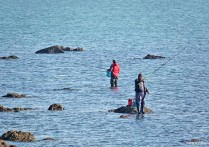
<point x="48" y="138"/>
<point x="14" y="135"/>
<point x="56" y="107"/>
<point x="153" y="57"/>
<point x="9" y="57"/>
<point x="14" y="95"/>
<point x="51" y="50"/>
<point x="3" y="109"/>
<point x="130" y="110"/>
<point x="124" y="116"/>
<point x="73" y="49"/>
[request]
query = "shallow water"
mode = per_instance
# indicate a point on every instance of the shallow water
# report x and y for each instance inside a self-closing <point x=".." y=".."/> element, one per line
<point x="122" y="30"/>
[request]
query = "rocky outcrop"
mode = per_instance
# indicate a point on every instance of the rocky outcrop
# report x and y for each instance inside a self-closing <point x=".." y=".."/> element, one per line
<point x="3" y="109"/>
<point x="153" y="57"/>
<point x="73" y="49"/>
<point x="14" y="95"/>
<point x="51" y="50"/>
<point x="56" y="107"/>
<point x="14" y="135"/>
<point x="9" y="57"/>
<point x="130" y="110"/>
<point x="57" y="49"/>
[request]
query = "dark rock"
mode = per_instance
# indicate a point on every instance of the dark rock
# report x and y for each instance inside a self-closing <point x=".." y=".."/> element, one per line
<point x="152" y="57"/>
<point x="55" y="107"/>
<point x="9" y="57"/>
<point x="124" y="116"/>
<point x="51" y="50"/>
<point x="14" y="135"/>
<point x="73" y="49"/>
<point x="14" y="95"/>
<point x="192" y="141"/>
<point x="3" y="109"/>
<point x="130" y="110"/>
<point x="48" y="138"/>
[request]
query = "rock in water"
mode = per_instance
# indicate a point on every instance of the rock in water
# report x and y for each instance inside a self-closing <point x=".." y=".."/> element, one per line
<point x="14" y="135"/>
<point x="153" y="57"/>
<point x="56" y="107"/>
<point x="14" y="95"/>
<point x="51" y="50"/>
<point x="130" y="110"/>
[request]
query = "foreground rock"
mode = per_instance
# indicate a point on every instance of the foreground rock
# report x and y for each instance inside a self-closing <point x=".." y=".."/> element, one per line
<point x="153" y="57"/>
<point x="14" y="95"/>
<point x="3" y="109"/>
<point x="130" y="110"/>
<point x="14" y="135"/>
<point x="5" y="144"/>
<point x="56" y="107"/>
<point x="9" y="57"/>
<point x="51" y="50"/>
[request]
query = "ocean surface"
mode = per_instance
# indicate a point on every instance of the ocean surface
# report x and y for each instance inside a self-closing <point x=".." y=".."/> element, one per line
<point x="111" y="29"/>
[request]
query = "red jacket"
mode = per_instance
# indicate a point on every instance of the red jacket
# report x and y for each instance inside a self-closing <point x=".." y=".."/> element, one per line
<point x="115" y="69"/>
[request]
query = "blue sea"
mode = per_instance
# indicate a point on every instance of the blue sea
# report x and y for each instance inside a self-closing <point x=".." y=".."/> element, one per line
<point x="124" y="30"/>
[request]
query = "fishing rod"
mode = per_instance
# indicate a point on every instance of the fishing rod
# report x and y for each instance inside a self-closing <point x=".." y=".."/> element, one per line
<point x="168" y="61"/>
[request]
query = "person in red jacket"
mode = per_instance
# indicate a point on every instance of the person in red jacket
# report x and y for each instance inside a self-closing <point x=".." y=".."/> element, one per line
<point x="115" y="70"/>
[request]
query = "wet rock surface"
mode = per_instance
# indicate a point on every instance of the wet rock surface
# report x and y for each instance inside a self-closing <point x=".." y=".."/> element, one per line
<point x="3" y="109"/>
<point x="14" y="135"/>
<point x="56" y="107"/>
<point x="9" y="57"/>
<point x="153" y="57"/>
<point x="51" y="50"/>
<point x="130" y="110"/>
<point x="14" y="95"/>
<point x="57" y="49"/>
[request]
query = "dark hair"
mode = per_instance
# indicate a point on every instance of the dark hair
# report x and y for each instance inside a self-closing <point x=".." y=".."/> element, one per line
<point x="114" y="61"/>
<point x="140" y="75"/>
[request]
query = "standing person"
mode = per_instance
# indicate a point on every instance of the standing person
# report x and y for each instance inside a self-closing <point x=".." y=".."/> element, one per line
<point x="141" y="91"/>
<point x="115" y="70"/>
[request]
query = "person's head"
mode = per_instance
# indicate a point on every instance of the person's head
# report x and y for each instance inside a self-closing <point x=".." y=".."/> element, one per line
<point x="140" y="77"/>
<point x="114" y="61"/>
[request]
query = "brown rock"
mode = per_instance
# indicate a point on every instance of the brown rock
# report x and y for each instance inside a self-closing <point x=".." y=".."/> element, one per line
<point x="55" y="107"/>
<point x="4" y="143"/>
<point x="124" y="116"/>
<point x="14" y="95"/>
<point x="14" y="135"/>
<point x="3" y="109"/>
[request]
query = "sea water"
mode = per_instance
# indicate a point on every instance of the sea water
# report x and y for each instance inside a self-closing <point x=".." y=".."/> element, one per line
<point x="122" y="30"/>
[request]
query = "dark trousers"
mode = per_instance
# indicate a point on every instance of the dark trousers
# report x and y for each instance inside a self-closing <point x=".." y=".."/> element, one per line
<point x="114" y="81"/>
